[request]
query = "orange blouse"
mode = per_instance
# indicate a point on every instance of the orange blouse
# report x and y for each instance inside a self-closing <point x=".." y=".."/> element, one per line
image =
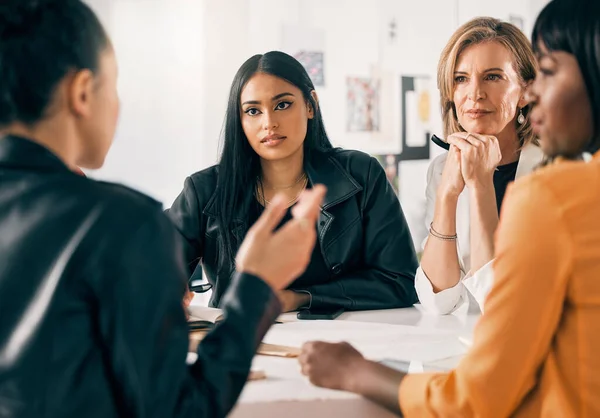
<point x="536" y="351"/>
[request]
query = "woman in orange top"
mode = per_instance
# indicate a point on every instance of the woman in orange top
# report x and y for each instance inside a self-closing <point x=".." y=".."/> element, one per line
<point x="535" y="351"/>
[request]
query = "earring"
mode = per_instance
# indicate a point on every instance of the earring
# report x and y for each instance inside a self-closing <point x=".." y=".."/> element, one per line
<point x="521" y="117"/>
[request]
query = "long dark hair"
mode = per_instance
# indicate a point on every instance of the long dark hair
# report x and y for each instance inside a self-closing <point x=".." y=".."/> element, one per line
<point x="41" y="41"/>
<point x="573" y="26"/>
<point x="239" y="166"/>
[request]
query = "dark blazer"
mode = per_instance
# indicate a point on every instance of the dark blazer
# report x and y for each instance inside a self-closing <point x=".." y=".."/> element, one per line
<point x="362" y="233"/>
<point x="91" y="319"/>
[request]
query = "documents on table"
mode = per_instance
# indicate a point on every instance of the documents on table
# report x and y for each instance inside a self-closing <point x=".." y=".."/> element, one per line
<point x="276" y="350"/>
<point x="375" y="341"/>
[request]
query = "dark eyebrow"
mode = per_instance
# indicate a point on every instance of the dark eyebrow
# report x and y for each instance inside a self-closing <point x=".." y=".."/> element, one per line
<point x="279" y="96"/>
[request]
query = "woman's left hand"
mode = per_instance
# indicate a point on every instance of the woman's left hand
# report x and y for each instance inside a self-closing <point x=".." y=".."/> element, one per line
<point x="480" y="155"/>
<point x="333" y="366"/>
<point x="187" y="298"/>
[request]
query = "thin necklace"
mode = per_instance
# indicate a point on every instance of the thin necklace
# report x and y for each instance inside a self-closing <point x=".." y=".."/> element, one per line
<point x="260" y="194"/>
<point x="300" y="178"/>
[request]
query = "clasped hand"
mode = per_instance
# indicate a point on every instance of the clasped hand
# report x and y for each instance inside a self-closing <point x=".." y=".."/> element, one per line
<point x="471" y="162"/>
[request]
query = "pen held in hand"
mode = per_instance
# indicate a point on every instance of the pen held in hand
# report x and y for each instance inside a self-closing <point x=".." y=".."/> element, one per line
<point x="440" y="142"/>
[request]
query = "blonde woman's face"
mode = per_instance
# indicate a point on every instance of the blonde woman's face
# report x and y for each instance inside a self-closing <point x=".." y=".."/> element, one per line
<point x="487" y="91"/>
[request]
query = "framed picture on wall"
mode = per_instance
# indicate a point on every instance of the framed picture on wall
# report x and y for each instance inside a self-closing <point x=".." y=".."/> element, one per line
<point x="312" y="61"/>
<point x="307" y="45"/>
<point x="416" y="117"/>
<point x="390" y="164"/>
<point x="362" y="104"/>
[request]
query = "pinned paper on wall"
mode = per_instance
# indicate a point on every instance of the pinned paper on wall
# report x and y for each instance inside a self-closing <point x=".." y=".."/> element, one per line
<point x="307" y="45"/>
<point x="312" y="61"/>
<point x="390" y="164"/>
<point x="362" y="101"/>
<point x="416" y="117"/>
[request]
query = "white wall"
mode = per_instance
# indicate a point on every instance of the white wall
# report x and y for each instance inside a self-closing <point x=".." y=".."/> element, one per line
<point x="160" y="49"/>
<point x="177" y="59"/>
<point x="535" y="7"/>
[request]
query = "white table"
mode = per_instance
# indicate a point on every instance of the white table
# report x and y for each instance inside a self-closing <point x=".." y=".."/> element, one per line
<point x="264" y="398"/>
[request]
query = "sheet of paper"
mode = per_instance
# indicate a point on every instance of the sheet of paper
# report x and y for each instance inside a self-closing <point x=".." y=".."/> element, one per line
<point x="374" y="341"/>
<point x="284" y="382"/>
<point x="204" y="313"/>
<point x="412" y="346"/>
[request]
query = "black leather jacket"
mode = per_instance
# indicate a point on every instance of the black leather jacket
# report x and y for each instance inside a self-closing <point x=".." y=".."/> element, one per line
<point x="363" y="235"/>
<point x="91" y="317"/>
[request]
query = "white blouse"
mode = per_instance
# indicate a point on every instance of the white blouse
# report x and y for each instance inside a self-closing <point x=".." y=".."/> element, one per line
<point x="472" y="287"/>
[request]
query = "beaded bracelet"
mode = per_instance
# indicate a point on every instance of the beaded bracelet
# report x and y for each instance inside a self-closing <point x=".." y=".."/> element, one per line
<point x="443" y="237"/>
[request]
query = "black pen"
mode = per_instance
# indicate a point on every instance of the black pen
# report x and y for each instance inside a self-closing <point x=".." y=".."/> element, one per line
<point x="440" y="142"/>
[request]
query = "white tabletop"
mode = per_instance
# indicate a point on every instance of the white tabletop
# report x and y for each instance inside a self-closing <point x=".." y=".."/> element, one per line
<point x="286" y="393"/>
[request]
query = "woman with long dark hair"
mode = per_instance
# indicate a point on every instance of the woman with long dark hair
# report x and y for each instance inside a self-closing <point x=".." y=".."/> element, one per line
<point x="76" y="338"/>
<point x="535" y="351"/>
<point x="274" y="141"/>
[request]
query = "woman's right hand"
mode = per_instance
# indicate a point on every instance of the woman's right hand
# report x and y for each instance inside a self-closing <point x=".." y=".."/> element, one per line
<point x="452" y="183"/>
<point x="278" y="256"/>
<point x="479" y="155"/>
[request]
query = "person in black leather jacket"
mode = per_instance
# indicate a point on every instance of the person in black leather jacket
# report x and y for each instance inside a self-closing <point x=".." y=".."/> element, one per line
<point x="91" y="273"/>
<point x="275" y="141"/>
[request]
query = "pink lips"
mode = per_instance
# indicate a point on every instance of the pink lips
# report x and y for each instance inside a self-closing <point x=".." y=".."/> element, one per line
<point x="273" y="139"/>
<point x="478" y="113"/>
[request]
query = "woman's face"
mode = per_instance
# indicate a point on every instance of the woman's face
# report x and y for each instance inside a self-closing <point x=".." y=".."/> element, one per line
<point x="562" y="113"/>
<point x="274" y="117"/>
<point x="487" y="90"/>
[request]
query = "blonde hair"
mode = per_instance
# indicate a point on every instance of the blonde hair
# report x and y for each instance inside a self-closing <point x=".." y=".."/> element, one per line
<point x="476" y="31"/>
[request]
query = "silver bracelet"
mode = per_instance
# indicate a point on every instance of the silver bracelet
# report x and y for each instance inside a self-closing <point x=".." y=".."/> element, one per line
<point x="443" y="237"/>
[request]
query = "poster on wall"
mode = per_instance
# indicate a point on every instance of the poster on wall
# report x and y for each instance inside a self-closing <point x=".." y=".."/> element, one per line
<point x="391" y="166"/>
<point x="362" y="104"/>
<point x="416" y="117"/>
<point x="307" y="45"/>
<point x="312" y="61"/>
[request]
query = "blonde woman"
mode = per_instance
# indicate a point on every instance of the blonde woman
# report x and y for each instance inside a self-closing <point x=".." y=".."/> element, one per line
<point x="482" y="76"/>
<point x="535" y="351"/>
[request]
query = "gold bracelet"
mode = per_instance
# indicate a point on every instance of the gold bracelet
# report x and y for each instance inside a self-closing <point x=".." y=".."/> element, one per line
<point x="443" y="237"/>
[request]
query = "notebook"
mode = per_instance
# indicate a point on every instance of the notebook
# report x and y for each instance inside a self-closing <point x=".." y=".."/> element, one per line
<point x="203" y="317"/>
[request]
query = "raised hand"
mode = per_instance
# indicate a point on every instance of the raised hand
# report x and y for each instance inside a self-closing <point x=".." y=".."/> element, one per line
<point x="280" y="257"/>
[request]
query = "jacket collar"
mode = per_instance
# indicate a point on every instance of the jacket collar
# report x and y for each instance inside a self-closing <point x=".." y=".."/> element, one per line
<point x="531" y="155"/>
<point x="321" y="168"/>
<point x="22" y="153"/>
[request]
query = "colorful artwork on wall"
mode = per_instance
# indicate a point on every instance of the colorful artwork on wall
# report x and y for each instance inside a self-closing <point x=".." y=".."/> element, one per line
<point x="313" y="63"/>
<point x="390" y="163"/>
<point x="362" y="98"/>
